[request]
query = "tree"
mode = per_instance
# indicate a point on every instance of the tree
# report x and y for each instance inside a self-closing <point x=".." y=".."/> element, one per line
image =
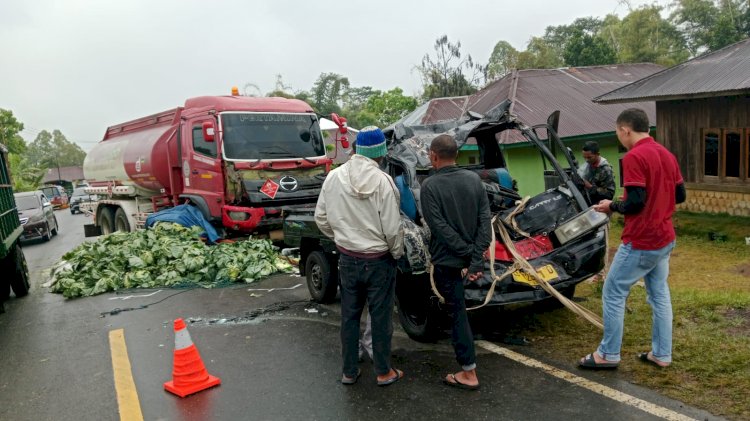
<point x="53" y="150"/>
<point x="538" y="55"/>
<point x="355" y="100"/>
<point x="503" y="59"/>
<point x="328" y="92"/>
<point x="584" y="49"/>
<point x="558" y="38"/>
<point x="644" y="36"/>
<point x="711" y="24"/>
<point x="443" y="75"/>
<point x="385" y="108"/>
<point x="9" y="129"/>
<point x="25" y="176"/>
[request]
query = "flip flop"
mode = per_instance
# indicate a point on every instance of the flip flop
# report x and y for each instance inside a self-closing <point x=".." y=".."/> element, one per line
<point x="348" y="381"/>
<point x="394" y="379"/>
<point x="643" y="356"/>
<point x="457" y="384"/>
<point x="590" y="363"/>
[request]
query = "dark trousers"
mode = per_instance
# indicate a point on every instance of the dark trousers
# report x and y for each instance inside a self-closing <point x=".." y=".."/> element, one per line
<point x="449" y="283"/>
<point x="373" y="281"/>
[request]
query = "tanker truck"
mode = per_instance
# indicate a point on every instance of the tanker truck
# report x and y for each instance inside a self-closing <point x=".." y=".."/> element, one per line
<point x="239" y="160"/>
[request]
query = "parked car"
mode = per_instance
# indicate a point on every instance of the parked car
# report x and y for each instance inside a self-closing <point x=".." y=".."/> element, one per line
<point x="555" y="231"/>
<point x="56" y="195"/>
<point x="78" y="197"/>
<point x="36" y="214"/>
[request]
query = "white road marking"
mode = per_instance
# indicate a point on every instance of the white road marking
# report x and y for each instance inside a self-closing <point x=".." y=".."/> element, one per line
<point x="595" y="387"/>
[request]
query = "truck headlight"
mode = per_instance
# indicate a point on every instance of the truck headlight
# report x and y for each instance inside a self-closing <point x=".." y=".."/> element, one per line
<point x="582" y="223"/>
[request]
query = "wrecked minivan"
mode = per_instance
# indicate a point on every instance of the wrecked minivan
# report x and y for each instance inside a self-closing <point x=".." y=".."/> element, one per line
<point x="556" y="231"/>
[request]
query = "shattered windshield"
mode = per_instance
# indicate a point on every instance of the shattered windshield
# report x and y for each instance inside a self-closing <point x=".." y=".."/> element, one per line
<point x="271" y="136"/>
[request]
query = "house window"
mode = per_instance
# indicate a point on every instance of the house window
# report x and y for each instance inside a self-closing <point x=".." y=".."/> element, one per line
<point x="711" y="152"/>
<point x="732" y="152"/>
<point x="726" y="153"/>
<point x="472" y="160"/>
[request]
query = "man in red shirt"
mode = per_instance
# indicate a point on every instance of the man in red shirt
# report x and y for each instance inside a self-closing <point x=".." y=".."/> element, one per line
<point x="653" y="185"/>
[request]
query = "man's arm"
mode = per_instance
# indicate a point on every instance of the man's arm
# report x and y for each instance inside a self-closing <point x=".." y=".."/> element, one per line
<point x="390" y="219"/>
<point x="483" y="237"/>
<point x="680" y="194"/>
<point x="605" y="182"/>
<point x="438" y="225"/>
<point x="633" y="203"/>
<point x="321" y="216"/>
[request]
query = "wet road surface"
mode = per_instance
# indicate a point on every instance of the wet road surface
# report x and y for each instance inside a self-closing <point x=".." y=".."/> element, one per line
<point x="277" y="355"/>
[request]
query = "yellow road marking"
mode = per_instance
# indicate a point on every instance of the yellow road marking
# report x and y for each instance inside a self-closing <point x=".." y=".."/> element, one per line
<point x="595" y="387"/>
<point x="127" y="395"/>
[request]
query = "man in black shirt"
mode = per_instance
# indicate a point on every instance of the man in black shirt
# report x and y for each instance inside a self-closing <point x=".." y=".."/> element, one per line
<point x="456" y="209"/>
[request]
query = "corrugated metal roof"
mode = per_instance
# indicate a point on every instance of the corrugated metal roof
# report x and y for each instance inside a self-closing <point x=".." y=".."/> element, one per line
<point x="442" y="109"/>
<point x="66" y="173"/>
<point x="722" y="72"/>
<point x="536" y="93"/>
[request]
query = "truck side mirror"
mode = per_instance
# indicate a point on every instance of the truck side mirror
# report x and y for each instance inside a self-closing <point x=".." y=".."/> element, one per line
<point x="208" y="131"/>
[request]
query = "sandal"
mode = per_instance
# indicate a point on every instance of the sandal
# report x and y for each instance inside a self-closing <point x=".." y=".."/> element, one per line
<point x="391" y="380"/>
<point x="348" y="381"/>
<point x="454" y="382"/>
<point x="590" y="363"/>
<point x="643" y="356"/>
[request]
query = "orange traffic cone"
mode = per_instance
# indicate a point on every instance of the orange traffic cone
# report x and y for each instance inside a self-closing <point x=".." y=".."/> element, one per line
<point x="189" y="375"/>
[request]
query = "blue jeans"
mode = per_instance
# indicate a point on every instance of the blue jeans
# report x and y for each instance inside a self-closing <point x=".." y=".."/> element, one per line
<point x="372" y="281"/>
<point x="628" y="266"/>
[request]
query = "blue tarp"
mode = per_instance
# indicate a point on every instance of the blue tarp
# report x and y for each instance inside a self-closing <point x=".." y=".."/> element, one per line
<point x="187" y="216"/>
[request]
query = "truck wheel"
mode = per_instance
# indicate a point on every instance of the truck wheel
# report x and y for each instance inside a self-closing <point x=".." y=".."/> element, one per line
<point x="19" y="281"/>
<point x="54" y="231"/>
<point x="105" y="220"/>
<point x="418" y="316"/>
<point x="121" y="221"/>
<point x="322" y="280"/>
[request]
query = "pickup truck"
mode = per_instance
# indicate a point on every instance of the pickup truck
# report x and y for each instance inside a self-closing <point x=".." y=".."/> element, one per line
<point x="555" y="231"/>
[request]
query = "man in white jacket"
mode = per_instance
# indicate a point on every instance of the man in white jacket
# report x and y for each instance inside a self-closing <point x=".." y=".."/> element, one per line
<point x="359" y="208"/>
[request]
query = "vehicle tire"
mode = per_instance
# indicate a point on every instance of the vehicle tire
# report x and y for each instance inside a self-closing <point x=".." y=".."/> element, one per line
<point x="54" y="231"/>
<point x="47" y="234"/>
<point x="19" y="281"/>
<point x="121" y="221"/>
<point x="419" y="317"/>
<point x="106" y="220"/>
<point x="322" y="279"/>
<point x="72" y="211"/>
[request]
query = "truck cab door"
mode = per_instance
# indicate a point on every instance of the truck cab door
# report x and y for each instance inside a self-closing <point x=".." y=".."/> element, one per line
<point x="202" y="168"/>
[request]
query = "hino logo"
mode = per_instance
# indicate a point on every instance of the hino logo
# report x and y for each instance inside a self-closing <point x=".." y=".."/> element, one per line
<point x="288" y="183"/>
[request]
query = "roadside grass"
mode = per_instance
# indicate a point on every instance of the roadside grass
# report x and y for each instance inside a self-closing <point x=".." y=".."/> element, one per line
<point x="710" y="287"/>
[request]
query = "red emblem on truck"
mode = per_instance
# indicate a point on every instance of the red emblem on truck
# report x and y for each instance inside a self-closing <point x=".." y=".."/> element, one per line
<point x="270" y="188"/>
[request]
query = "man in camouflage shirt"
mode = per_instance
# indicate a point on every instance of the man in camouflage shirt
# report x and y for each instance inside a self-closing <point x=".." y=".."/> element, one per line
<point x="597" y="174"/>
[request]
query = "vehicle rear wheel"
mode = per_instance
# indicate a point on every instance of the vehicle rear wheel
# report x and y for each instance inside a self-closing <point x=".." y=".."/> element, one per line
<point x="322" y="279"/>
<point x="105" y="220"/>
<point x="19" y="281"/>
<point x="418" y="316"/>
<point x="54" y="231"/>
<point x="121" y="221"/>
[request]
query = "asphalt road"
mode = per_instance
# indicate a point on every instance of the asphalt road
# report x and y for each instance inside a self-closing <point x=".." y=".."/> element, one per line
<point x="277" y="355"/>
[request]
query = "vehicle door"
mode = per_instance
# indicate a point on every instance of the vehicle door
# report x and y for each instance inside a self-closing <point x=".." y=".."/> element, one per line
<point x="202" y="165"/>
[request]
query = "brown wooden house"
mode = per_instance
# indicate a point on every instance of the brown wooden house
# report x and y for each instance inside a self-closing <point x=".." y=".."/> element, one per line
<point x="703" y="117"/>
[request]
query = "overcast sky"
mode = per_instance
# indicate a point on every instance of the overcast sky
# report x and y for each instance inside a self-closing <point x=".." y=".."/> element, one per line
<point x="80" y="66"/>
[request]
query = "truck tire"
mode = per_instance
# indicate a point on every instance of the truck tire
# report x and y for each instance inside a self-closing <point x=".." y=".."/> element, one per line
<point x="19" y="281"/>
<point x="322" y="279"/>
<point x="121" y="221"/>
<point x="419" y="317"/>
<point x="106" y="220"/>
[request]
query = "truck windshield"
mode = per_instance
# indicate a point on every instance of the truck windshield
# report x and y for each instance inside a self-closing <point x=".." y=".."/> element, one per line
<point x="271" y="136"/>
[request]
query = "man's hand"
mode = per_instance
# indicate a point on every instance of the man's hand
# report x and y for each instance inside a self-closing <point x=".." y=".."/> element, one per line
<point x="603" y="206"/>
<point x="474" y="276"/>
<point x="587" y="184"/>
